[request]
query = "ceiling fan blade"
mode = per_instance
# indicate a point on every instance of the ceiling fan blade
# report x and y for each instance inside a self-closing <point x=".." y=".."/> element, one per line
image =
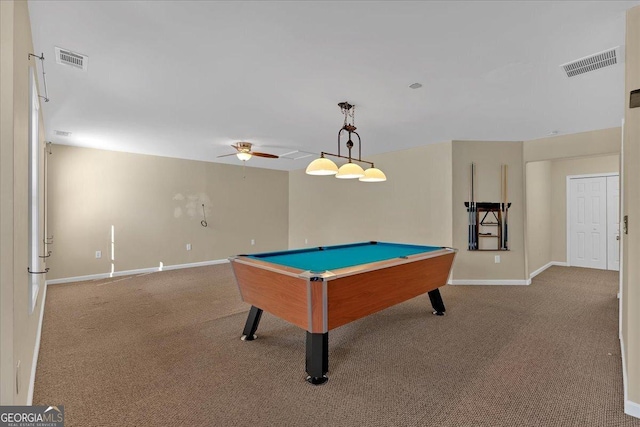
<point x="227" y="155"/>
<point x="268" y="156"/>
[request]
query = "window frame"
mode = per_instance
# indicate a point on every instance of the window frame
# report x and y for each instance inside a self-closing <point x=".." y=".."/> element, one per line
<point x="35" y="243"/>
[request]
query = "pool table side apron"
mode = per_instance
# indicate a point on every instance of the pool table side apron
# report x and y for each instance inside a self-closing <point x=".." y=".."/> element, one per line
<point x="282" y="295"/>
<point x="319" y="305"/>
<point x="353" y="297"/>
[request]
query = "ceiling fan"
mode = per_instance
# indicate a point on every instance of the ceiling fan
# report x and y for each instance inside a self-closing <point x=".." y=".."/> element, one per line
<point x="244" y="152"/>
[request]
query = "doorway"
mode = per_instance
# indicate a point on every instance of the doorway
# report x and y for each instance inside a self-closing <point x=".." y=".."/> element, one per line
<point x="593" y="221"/>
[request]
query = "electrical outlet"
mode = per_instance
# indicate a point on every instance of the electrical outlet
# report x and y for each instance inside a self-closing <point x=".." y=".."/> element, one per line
<point x="188" y="246"/>
<point x="306" y="241"/>
<point x="253" y="242"/>
<point x="497" y="259"/>
<point x="98" y="254"/>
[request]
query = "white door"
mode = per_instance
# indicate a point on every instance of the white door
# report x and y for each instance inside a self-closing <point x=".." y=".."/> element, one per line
<point x="588" y="222"/>
<point x="613" y="223"/>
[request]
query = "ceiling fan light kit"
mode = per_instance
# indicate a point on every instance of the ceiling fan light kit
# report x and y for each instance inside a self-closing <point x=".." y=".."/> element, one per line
<point x="244" y="156"/>
<point x="349" y="170"/>
<point x="244" y="152"/>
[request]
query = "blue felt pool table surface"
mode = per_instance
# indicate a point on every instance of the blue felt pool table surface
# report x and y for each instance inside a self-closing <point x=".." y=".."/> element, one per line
<point x="341" y="256"/>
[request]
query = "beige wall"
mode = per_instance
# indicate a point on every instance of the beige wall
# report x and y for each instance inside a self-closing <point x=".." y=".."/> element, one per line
<point x="631" y="207"/>
<point x="488" y="157"/>
<point x="560" y="169"/>
<point x="413" y="206"/>
<point x="593" y="143"/>
<point x="18" y="327"/>
<point x="538" y="191"/>
<point x="155" y="206"/>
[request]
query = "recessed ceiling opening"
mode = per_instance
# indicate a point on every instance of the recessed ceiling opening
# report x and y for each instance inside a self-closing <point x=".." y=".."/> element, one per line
<point x="594" y="62"/>
<point x="72" y="59"/>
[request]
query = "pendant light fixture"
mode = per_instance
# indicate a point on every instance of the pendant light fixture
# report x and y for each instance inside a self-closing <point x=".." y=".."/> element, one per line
<point x="350" y="170"/>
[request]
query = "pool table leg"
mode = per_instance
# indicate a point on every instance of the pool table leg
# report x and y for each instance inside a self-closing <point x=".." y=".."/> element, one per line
<point x="317" y="357"/>
<point x="253" y="320"/>
<point x="436" y="302"/>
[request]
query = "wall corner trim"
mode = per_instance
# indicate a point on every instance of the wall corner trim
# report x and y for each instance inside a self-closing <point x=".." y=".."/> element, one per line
<point x="131" y="272"/>
<point x="36" y="351"/>
<point x="508" y="282"/>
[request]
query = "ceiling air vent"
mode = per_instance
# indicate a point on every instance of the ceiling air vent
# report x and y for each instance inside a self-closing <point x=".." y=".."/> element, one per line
<point x="72" y="59"/>
<point x="594" y="62"/>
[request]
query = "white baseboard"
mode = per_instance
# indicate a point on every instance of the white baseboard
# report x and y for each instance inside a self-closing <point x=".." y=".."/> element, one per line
<point x="540" y="270"/>
<point x="95" y="276"/>
<point x="137" y="271"/>
<point x="195" y="264"/>
<point x="36" y="351"/>
<point x="630" y="408"/>
<point x="508" y="282"/>
<point x="624" y="370"/>
<point x="490" y="282"/>
<point x="547" y="265"/>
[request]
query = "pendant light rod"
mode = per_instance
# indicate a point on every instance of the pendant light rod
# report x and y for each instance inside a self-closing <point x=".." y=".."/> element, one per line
<point x="349" y="110"/>
<point x="324" y="153"/>
<point x="351" y="130"/>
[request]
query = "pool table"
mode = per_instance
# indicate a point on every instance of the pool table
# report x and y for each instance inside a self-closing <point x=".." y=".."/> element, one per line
<point x="322" y="288"/>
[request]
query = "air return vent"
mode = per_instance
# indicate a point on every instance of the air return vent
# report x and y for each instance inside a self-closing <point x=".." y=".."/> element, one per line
<point x="72" y="59"/>
<point x="594" y="62"/>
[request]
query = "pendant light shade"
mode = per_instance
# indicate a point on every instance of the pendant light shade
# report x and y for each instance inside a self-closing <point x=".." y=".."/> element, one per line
<point x="373" y="175"/>
<point x="350" y="171"/>
<point x="322" y="166"/>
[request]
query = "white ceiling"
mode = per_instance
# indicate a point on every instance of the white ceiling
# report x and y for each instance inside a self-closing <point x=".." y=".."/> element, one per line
<point x="187" y="79"/>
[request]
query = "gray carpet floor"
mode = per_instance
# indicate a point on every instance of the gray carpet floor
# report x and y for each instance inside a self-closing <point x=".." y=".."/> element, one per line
<point x="164" y="349"/>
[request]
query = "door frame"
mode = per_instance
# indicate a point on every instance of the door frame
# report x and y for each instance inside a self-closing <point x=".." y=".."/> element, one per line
<point x="620" y="276"/>
<point x="568" y="205"/>
<point x="610" y="239"/>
